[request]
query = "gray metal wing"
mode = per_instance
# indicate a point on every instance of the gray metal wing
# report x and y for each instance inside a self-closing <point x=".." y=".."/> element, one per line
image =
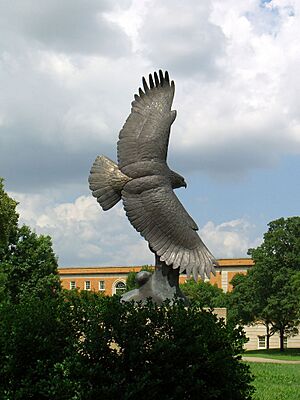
<point x="145" y="134"/>
<point x="154" y="210"/>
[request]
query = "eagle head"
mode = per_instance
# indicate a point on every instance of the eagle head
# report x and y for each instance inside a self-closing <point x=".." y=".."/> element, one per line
<point x="177" y="180"/>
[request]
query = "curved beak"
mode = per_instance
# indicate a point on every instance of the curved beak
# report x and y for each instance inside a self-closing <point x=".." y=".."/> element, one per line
<point x="185" y="185"/>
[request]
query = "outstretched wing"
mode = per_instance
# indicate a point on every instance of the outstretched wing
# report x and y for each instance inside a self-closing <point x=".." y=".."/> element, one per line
<point x="162" y="220"/>
<point x="145" y="134"/>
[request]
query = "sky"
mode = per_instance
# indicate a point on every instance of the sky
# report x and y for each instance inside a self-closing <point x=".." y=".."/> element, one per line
<point x="68" y="73"/>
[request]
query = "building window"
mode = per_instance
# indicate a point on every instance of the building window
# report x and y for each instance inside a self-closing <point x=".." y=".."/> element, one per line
<point x="101" y="285"/>
<point x="224" y="281"/>
<point x="72" y="285"/>
<point x="120" y="287"/>
<point x="261" y="342"/>
<point x="87" y="285"/>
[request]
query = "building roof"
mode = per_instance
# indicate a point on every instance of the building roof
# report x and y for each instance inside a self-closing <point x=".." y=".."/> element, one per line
<point x="98" y="269"/>
<point x="223" y="262"/>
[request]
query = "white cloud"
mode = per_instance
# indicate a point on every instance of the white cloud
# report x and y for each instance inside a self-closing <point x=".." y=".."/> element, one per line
<point x="82" y="233"/>
<point x="237" y="101"/>
<point x="179" y="36"/>
<point x="248" y="117"/>
<point x="230" y="238"/>
<point x="236" y="85"/>
<point x="71" y="26"/>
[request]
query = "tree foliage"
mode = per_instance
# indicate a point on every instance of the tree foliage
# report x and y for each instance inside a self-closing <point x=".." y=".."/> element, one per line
<point x="283" y="306"/>
<point x="242" y="304"/>
<point x="33" y="339"/>
<point x="28" y="264"/>
<point x="84" y="346"/>
<point x="267" y="293"/>
<point x="281" y="245"/>
<point x="8" y="219"/>
<point x="204" y="294"/>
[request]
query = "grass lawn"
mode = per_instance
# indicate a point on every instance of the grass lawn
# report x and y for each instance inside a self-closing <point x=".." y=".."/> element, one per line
<point x="276" y="381"/>
<point x="287" y="354"/>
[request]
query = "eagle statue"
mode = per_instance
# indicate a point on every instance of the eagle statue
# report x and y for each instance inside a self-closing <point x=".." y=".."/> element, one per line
<point x="145" y="183"/>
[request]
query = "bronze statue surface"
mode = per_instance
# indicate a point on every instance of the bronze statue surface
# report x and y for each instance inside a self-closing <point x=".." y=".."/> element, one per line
<point x="145" y="183"/>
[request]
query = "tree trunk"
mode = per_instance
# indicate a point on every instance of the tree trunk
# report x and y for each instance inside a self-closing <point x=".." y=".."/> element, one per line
<point x="281" y="332"/>
<point x="268" y="336"/>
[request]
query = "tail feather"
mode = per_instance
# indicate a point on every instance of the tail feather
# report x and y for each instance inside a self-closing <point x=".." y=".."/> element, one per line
<point x="106" y="182"/>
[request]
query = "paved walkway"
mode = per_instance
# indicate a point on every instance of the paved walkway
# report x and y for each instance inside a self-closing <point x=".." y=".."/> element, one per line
<point x="268" y="360"/>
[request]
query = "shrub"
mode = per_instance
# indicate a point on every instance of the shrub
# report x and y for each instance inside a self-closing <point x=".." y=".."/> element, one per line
<point x="33" y="338"/>
<point x="124" y="351"/>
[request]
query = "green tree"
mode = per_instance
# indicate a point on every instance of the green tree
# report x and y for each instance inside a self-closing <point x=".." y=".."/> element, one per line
<point x="265" y="294"/>
<point x="30" y="266"/>
<point x="204" y="294"/>
<point x="275" y="303"/>
<point x="241" y="304"/>
<point x="249" y="298"/>
<point x="27" y="262"/>
<point x="296" y="283"/>
<point x="283" y="305"/>
<point x="281" y="245"/>
<point x="8" y="219"/>
<point x="8" y="231"/>
<point x="277" y="259"/>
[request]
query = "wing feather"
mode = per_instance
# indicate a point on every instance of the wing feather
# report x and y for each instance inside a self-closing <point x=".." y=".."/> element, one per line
<point x="177" y="260"/>
<point x="185" y="260"/>
<point x="172" y="256"/>
<point x="163" y="242"/>
<point x="164" y="249"/>
<point x="168" y="252"/>
<point x="162" y="220"/>
<point x="145" y="134"/>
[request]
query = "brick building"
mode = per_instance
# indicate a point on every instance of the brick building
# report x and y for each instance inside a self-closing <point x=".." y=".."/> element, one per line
<point x="110" y="280"/>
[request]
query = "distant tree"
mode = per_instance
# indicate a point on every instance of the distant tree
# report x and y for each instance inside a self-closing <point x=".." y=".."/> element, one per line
<point x="281" y="245"/>
<point x="277" y="259"/>
<point x="249" y="298"/>
<point x="296" y="283"/>
<point x="270" y="299"/>
<point x="8" y="220"/>
<point x="30" y="266"/>
<point x="2" y="284"/>
<point x="204" y="294"/>
<point x="241" y="304"/>
<point x="27" y="261"/>
<point x="130" y="281"/>
<point x="8" y="230"/>
<point x="283" y="305"/>
<point x="266" y="293"/>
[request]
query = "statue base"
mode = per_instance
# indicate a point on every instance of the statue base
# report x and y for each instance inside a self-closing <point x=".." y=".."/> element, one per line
<point x="161" y="285"/>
